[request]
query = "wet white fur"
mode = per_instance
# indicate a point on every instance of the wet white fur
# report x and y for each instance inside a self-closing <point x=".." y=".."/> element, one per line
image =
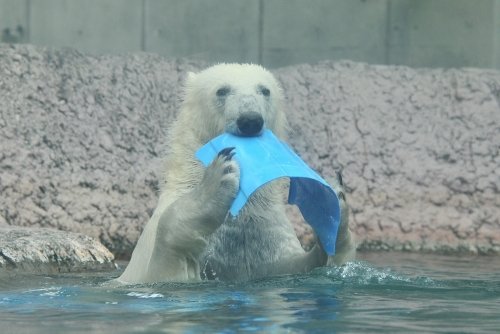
<point x="189" y="232"/>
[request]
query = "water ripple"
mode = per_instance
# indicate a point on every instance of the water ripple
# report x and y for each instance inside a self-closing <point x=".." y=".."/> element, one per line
<point x="356" y="297"/>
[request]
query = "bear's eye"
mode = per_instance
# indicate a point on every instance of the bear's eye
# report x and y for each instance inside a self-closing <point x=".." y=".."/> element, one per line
<point x="265" y="91"/>
<point x="223" y="91"/>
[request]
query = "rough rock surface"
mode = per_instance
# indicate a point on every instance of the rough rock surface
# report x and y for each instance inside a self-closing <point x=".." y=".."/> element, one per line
<point x="419" y="150"/>
<point x="82" y="139"/>
<point x="45" y="251"/>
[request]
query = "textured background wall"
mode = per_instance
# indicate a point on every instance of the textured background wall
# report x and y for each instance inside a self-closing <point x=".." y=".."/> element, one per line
<point x="81" y="141"/>
<point x="423" y="33"/>
<point x="420" y="150"/>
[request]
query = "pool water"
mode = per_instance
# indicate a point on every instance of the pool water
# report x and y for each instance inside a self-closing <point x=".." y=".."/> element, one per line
<point x="379" y="293"/>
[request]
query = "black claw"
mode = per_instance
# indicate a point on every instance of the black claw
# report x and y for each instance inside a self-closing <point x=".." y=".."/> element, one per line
<point x="341" y="196"/>
<point x="339" y="177"/>
<point x="227" y="153"/>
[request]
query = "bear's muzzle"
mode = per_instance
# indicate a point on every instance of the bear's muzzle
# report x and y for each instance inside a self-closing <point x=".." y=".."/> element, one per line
<point x="250" y="123"/>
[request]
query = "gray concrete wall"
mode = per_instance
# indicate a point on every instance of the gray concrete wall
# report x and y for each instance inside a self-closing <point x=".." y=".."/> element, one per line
<point x="275" y="33"/>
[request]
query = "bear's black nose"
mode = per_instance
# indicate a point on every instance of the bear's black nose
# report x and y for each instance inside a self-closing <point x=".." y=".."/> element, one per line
<point x="250" y="123"/>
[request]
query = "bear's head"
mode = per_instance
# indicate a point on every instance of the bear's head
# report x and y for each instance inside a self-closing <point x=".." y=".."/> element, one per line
<point x="242" y="99"/>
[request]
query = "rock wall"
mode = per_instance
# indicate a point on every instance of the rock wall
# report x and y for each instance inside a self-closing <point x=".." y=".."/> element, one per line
<point x="419" y="150"/>
<point x="82" y="139"/>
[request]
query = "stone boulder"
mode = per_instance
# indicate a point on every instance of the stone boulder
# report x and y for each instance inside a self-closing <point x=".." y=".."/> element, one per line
<point x="49" y="251"/>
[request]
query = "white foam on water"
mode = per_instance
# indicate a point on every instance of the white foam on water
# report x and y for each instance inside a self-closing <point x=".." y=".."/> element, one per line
<point x="145" y="295"/>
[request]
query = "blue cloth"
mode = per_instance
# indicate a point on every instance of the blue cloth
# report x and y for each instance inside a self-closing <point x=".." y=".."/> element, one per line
<point x="265" y="158"/>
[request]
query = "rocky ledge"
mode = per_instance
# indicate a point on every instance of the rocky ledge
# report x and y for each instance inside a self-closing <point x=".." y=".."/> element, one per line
<point x="47" y="251"/>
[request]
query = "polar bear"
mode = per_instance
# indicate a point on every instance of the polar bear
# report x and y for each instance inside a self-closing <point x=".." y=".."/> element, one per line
<point x="190" y="235"/>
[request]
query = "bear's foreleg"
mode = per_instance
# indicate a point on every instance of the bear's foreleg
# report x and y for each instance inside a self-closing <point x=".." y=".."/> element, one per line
<point x="184" y="227"/>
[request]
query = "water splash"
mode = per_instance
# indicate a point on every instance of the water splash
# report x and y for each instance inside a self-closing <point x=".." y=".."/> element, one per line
<point x="145" y="295"/>
<point x="362" y="273"/>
